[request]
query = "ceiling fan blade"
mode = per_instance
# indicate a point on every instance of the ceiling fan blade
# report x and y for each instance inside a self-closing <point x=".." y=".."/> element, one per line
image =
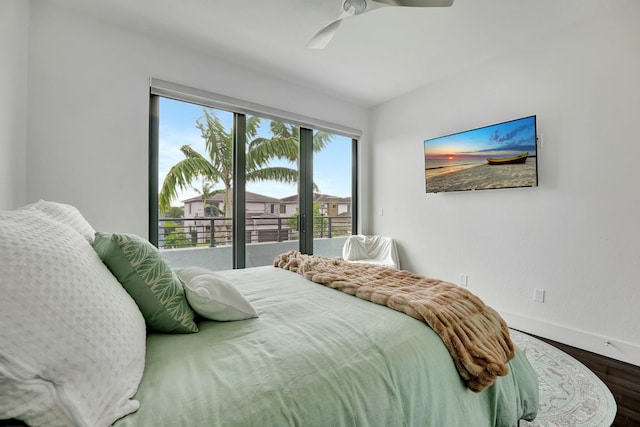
<point x="417" y="3"/>
<point x="324" y="36"/>
<point x="348" y="9"/>
<point x="358" y="7"/>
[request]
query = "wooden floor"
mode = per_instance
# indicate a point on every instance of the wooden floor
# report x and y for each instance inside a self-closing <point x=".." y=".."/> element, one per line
<point x="623" y="379"/>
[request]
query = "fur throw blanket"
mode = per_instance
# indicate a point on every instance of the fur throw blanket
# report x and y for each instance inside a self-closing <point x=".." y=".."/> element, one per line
<point x="475" y="335"/>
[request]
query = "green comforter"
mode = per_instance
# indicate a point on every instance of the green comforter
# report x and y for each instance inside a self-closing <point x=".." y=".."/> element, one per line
<point x="317" y="357"/>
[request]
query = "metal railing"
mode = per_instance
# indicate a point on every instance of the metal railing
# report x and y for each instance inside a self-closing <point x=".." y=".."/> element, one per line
<point x="176" y="233"/>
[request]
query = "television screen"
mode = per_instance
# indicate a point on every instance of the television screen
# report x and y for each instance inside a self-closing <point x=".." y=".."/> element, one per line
<point x="503" y="155"/>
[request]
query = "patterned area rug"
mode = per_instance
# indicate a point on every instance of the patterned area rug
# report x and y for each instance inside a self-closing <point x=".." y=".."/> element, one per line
<point x="570" y="394"/>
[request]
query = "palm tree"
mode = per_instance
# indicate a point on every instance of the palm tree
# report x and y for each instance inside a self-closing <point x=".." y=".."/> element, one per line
<point x="218" y="167"/>
<point x="206" y="193"/>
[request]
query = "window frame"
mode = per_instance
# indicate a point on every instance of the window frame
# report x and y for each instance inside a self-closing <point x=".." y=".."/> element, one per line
<point x="240" y="110"/>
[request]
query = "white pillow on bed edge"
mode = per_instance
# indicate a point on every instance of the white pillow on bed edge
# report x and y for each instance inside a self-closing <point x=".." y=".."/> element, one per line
<point x="72" y="342"/>
<point x="212" y="296"/>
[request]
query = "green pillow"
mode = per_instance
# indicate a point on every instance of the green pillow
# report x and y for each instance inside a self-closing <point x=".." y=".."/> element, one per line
<point x="149" y="280"/>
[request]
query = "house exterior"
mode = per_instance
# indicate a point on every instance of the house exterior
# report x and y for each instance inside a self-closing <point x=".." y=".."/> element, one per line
<point x="257" y="205"/>
<point x="266" y="218"/>
<point x="329" y="205"/>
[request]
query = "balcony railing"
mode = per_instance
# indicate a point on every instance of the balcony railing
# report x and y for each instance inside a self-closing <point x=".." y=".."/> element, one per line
<point x="217" y="231"/>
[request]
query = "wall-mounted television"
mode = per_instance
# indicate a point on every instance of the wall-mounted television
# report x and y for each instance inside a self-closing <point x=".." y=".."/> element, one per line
<point x="503" y="155"/>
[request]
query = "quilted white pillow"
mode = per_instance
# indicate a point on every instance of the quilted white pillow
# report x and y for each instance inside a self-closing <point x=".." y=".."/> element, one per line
<point x="65" y="214"/>
<point x="72" y="341"/>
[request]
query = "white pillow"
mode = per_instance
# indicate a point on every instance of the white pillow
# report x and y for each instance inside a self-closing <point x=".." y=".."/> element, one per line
<point x="65" y="214"/>
<point x="72" y="341"/>
<point x="213" y="296"/>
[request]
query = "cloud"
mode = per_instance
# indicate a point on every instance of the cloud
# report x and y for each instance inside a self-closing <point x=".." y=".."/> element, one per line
<point x="496" y="137"/>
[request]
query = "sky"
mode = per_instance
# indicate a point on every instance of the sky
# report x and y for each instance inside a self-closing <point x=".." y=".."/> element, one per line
<point x="503" y="139"/>
<point x="332" y="166"/>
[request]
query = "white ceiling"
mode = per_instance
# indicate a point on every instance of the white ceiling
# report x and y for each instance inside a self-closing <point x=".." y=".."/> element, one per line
<point x="373" y="57"/>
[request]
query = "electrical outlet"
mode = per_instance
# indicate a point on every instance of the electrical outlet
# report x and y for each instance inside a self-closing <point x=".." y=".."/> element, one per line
<point x="464" y="280"/>
<point x="538" y="295"/>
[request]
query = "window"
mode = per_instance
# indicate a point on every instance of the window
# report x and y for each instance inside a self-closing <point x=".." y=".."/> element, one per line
<point x="243" y="182"/>
<point x="333" y="178"/>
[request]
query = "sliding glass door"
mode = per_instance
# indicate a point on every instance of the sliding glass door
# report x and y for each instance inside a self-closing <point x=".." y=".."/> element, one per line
<point x="233" y="190"/>
<point x="195" y="183"/>
<point x="332" y="201"/>
<point x="271" y="198"/>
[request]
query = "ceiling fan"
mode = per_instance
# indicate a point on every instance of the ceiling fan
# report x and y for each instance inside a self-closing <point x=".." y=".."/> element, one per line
<point x="351" y="8"/>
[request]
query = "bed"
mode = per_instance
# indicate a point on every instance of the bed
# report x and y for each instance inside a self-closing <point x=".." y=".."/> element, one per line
<point x="313" y="356"/>
<point x="317" y="357"/>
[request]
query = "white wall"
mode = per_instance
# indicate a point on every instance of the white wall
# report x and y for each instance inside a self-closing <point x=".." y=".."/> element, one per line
<point x="14" y="44"/>
<point x="88" y="100"/>
<point x="577" y="234"/>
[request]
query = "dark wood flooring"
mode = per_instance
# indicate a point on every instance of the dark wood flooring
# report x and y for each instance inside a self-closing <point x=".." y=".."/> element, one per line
<point x="623" y="379"/>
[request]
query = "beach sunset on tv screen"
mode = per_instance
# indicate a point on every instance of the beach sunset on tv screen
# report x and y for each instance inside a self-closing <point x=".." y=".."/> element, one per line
<point x="503" y="155"/>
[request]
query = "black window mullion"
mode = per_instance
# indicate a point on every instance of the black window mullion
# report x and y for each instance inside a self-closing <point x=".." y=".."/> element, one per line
<point x="239" y="194"/>
<point x="154" y="131"/>
<point x="354" y="186"/>
<point x="306" y="191"/>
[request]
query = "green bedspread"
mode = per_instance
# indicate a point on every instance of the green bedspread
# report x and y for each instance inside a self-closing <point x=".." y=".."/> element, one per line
<point x="317" y="357"/>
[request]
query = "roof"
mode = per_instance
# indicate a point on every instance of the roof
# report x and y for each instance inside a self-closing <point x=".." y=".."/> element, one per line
<point x="250" y="198"/>
<point x="317" y="197"/>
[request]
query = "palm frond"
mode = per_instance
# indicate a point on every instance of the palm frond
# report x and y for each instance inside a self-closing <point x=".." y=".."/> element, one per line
<point x="216" y="137"/>
<point x="190" y="153"/>
<point x="284" y="130"/>
<point x="253" y="124"/>
<point x="181" y="176"/>
<point x="262" y="150"/>
<point x="280" y="174"/>
<point x="321" y="140"/>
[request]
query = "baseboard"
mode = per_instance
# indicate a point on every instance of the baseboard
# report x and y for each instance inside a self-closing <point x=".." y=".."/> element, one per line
<point x="604" y="346"/>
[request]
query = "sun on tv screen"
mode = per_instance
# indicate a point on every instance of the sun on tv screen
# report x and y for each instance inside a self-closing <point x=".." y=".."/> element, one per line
<point x="503" y="155"/>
